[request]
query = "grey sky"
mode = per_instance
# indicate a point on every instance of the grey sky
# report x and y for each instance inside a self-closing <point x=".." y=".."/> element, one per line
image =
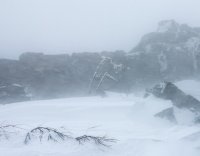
<point x="65" y="26"/>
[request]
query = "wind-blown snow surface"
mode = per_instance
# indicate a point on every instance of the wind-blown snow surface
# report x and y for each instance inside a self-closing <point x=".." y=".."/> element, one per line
<point x="126" y="118"/>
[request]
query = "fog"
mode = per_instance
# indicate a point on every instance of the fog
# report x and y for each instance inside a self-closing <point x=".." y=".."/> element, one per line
<point x="66" y="26"/>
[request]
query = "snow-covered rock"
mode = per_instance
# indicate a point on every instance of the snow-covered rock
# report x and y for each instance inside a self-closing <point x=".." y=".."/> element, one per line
<point x="186" y="108"/>
<point x="167" y="114"/>
<point x="174" y="48"/>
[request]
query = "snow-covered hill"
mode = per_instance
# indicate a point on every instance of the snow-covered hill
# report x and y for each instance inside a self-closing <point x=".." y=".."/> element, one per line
<point x="127" y="118"/>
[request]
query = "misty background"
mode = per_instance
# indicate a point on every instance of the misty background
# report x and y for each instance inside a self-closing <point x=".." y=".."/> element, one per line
<point x="67" y="26"/>
<point x="125" y="73"/>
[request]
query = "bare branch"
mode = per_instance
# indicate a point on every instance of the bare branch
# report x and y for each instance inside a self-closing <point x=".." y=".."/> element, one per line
<point x="104" y="141"/>
<point x="50" y="133"/>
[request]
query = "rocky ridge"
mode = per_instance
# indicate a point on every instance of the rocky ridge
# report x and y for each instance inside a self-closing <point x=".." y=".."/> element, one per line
<point x="171" y="53"/>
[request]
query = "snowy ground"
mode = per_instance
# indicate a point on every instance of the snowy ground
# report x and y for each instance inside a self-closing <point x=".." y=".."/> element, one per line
<point x="129" y="119"/>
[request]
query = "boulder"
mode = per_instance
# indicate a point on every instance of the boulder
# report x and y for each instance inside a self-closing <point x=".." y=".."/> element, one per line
<point x="169" y="91"/>
<point x="180" y="100"/>
<point x="167" y="114"/>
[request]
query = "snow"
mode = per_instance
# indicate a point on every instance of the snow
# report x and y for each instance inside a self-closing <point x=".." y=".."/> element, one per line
<point x="184" y="116"/>
<point x="16" y="85"/>
<point x="190" y="87"/>
<point x="127" y="118"/>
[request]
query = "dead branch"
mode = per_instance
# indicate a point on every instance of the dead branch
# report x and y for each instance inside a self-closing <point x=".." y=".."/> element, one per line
<point x="104" y="141"/>
<point x="50" y="134"/>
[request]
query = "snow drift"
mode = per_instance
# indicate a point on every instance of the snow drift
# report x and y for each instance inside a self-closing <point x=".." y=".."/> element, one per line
<point x="127" y="118"/>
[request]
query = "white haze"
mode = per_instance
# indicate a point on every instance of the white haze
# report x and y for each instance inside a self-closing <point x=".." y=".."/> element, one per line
<point x="66" y="26"/>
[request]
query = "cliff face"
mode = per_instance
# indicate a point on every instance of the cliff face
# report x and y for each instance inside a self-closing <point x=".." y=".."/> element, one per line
<point x="173" y="49"/>
<point x="55" y="76"/>
<point x="171" y="53"/>
<point x="58" y="75"/>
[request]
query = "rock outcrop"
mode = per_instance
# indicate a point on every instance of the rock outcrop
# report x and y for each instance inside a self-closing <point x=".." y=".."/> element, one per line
<point x="180" y="100"/>
<point x="10" y="93"/>
<point x="167" y="114"/>
<point x="169" y="54"/>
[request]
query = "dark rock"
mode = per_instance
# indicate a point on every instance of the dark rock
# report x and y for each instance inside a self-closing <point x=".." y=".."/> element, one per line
<point x="179" y="99"/>
<point x="167" y="114"/>
<point x="11" y="93"/>
<point x="169" y="91"/>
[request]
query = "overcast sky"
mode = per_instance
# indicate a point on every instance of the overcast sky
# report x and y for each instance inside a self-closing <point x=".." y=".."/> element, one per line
<point x="66" y="26"/>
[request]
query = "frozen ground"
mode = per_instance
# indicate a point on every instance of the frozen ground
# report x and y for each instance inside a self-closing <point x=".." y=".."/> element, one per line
<point x="126" y="118"/>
